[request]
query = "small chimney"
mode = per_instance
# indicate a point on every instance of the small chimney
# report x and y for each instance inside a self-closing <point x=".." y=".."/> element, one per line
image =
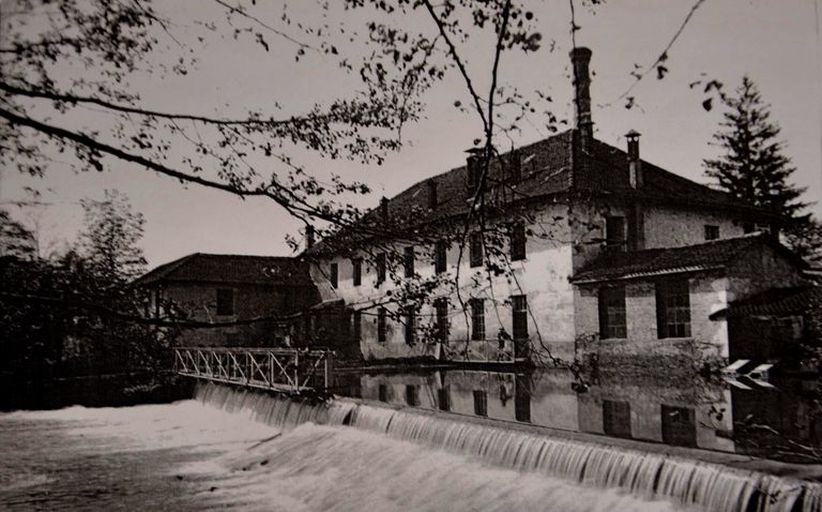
<point x="581" y="58"/>
<point x="309" y="236"/>
<point x="472" y="166"/>
<point x="384" y="209"/>
<point x="634" y="161"/>
<point x="433" y="200"/>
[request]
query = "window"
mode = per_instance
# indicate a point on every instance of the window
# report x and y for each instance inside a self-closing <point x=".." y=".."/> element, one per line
<point x="382" y="393"/>
<point x="356" y="265"/>
<point x="517" y="242"/>
<point x="519" y="312"/>
<point x="432" y="194"/>
<point x="410" y="324"/>
<point x="412" y="395"/>
<point x="678" y="426"/>
<point x="408" y="261"/>
<point x="480" y="402"/>
<point x="333" y="275"/>
<point x="357" y="325"/>
<point x="380" y="263"/>
<point x="616" y="418"/>
<point x="711" y="232"/>
<point x="615" y="233"/>
<point x="381" y="325"/>
<point x="441" y="306"/>
<point x="475" y="249"/>
<point x="440" y="256"/>
<point x="612" y="323"/>
<point x="225" y="302"/>
<point x="443" y="399"/>
<point x="477" y="319"/>
<point x="673" y="309"/>
<point x="522" y="398"/>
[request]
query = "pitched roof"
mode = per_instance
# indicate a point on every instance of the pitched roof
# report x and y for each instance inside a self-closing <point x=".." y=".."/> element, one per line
<point x="712" y="255"/>
<point x="230" y="268"/>
<point x="777" y="302"/>
<point x="546" y="170"/>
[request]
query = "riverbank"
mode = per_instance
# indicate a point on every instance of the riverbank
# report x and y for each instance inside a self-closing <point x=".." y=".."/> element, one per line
<point x="109" y="390"/>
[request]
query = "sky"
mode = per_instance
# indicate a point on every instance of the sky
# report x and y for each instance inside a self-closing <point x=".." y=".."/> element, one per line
<point x="776" y="43"/>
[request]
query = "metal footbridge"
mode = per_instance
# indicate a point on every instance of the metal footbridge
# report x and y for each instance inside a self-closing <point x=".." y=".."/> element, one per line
<point x="289" y="370"/>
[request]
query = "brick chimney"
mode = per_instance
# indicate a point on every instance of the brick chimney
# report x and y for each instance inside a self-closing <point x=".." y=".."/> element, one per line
<point x="634" y="161"/>
<point x="581" y="58"/>
<point x="309" y="236"/>
<point x="384" y="209"/>
<point x="473" y="164"/>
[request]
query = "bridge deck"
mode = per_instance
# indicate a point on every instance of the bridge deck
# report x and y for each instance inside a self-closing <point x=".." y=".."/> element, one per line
<point x="276" y="369"/>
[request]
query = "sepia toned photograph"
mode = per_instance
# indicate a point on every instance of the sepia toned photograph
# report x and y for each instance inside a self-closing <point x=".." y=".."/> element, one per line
<point x="411" y="255"/>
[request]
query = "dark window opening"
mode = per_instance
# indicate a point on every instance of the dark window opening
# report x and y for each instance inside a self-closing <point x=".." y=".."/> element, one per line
<point x="444" y="399"/>
<point x="475" y="250"/>
<point x="612" y="318"/>
<point x="412" y="395"/>
<point x="410" y="325"/>
<point x="519" y="312"/>
<point x="711" y="232"/>
<point x="380" y="264"/>
<point x="522" y="399"/>
<point x="480" y="402"/>
<point x="441" y="306"/>
<point x="408" y="261"/>
<point x="225" y="302"/>
<point x="381" y="325"/>
<point x="673" y="309"/>
<point x="616" y="418"/>
<point x="383" y="393"/>
<point x="477" y="319"/>
<point x="678" y="426"/>
<point x="615" y="233"/>
<point x="334" y="275"/>
<point x="357" y="330"/>
<point x="356" y="265"/>
<point x="440" y="256"/>
<point x="518" y="241"/>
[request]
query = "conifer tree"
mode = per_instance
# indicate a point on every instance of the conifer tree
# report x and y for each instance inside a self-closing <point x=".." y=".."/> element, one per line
<point x="753" y="166"/>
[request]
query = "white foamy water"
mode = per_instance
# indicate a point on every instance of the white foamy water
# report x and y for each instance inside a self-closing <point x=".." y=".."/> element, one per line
<point x="192" y="456"/>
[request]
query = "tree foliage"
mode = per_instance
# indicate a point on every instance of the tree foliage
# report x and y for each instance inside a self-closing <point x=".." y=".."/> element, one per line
<point x="753" y="166"/>
<point x="111" y="237"/>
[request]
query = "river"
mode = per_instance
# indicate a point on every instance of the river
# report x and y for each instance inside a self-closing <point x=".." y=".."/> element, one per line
<point x="192" y="455"/>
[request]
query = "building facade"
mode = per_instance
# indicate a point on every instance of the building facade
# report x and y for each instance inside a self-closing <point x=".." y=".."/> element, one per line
<point x="230" y="300"/>
<point x="556" y="210"/>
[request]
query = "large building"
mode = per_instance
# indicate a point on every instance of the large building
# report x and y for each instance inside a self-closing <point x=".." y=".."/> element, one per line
<point x="605" y="251"/>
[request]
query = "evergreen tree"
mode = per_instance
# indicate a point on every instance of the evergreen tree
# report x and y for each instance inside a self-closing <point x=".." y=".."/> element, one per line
<point x="754" y="167"/>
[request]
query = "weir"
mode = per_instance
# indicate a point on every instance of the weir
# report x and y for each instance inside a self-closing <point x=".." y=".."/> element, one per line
<point x="706" y="486"/>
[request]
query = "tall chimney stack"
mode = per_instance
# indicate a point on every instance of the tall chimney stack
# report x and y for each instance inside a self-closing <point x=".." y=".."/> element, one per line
<point x="581" y="58"/>
<point x="309" y="236"/>
<point x="634" y="161"/>
<point x="384" y="209"/>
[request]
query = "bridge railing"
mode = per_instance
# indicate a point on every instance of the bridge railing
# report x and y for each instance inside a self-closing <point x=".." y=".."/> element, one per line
<point x="279" y="369"/>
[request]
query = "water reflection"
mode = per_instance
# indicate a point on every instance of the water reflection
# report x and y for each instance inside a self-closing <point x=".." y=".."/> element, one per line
<point x="779" y="423"/>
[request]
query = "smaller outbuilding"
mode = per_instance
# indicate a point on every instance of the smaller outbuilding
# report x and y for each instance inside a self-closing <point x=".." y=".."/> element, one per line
<point x="252" y="300"/>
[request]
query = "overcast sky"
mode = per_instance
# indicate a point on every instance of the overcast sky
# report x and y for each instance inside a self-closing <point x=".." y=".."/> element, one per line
<point x="777" y="43"/>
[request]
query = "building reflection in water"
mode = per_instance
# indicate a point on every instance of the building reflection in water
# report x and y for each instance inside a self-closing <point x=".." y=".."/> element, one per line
<point x="696" y="414"/>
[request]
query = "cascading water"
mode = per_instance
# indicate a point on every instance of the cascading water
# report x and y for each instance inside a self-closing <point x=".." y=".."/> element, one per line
<point x="650" y="476"/>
